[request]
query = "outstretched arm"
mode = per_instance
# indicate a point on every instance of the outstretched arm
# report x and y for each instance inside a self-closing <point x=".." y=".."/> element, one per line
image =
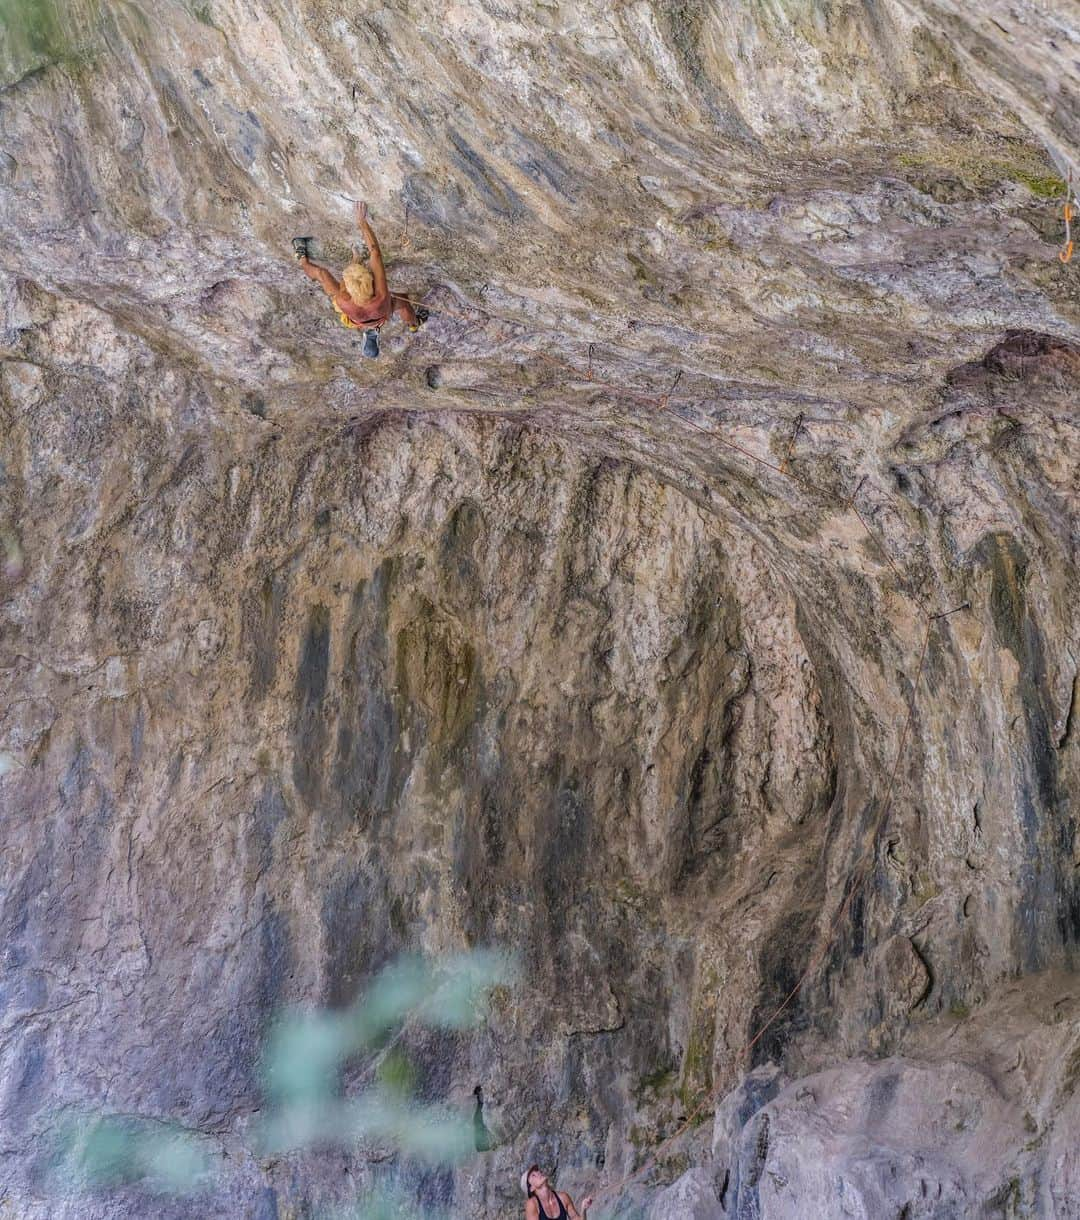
<point x="378" y="272"/>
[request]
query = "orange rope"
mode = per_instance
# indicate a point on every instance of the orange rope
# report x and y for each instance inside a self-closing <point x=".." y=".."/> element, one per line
<point x="859" y="872"/>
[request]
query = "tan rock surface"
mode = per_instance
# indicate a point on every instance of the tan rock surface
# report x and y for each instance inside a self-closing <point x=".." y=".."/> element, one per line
<point x="586" y="621"/>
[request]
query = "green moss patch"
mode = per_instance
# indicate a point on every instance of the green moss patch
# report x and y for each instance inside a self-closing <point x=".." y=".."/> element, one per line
<point x="980" y="166"/>
<point x="35" y="34"/>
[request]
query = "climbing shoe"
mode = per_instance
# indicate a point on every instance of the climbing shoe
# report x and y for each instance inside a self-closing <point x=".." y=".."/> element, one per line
<point x="422" y="316"/>
<point x="300" y="246"/>
<point x="371" y="343"/>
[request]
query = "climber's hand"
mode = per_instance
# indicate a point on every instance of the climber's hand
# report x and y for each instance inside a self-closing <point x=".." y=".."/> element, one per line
<point x="586" y="1203"/>
<point x="361" y="212"/>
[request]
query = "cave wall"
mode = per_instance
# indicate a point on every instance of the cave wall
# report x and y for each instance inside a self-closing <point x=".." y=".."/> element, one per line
<point x="595" y="620"/>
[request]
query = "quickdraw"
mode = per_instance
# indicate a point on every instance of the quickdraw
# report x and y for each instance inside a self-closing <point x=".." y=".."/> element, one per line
<point x="1069" y="212"/>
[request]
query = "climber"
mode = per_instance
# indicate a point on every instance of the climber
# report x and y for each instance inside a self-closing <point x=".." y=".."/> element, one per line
<point x="362" y="299"/>
<point x="543" y="1202"/>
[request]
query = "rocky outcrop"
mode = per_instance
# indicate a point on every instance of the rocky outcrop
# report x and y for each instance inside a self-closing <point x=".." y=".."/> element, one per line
<point x="974" y="1126"/>
<point x="598" y="620"/>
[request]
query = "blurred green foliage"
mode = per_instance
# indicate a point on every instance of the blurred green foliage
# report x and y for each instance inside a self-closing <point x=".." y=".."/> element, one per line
<point x="304" y="1061"/>
<point x="119" y="1150"/>
<point x="396" y="1074"/>
<point x="386" y="1205"/>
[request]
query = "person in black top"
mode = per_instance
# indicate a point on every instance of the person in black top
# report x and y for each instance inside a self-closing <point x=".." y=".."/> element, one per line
<point x="543" y="1203"/>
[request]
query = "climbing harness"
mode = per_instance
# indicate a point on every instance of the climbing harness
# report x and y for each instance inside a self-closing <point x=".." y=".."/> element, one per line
<point x="371" y="334"/>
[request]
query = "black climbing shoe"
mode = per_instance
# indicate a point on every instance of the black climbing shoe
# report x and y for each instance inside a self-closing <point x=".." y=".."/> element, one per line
<point x="300" y="247"/>
<point x="371" y="343"/>
<point x="422" y="316"/>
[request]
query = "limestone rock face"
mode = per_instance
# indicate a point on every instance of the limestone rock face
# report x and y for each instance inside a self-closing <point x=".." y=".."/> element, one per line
<point x="690" y="606"/>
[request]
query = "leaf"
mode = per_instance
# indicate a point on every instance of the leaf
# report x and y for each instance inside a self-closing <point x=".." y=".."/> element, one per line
<point x="304" y="1055"/>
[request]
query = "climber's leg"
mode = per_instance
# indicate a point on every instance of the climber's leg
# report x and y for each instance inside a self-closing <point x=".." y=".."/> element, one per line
<point x="302" y="249"/>
<point x="320" y="275"/>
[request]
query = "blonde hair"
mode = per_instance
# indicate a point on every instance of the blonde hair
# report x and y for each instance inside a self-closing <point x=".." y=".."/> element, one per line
<point x="358" y="282"/>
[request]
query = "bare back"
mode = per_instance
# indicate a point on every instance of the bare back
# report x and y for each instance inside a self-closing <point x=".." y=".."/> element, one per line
<point x="372" y="312"/>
